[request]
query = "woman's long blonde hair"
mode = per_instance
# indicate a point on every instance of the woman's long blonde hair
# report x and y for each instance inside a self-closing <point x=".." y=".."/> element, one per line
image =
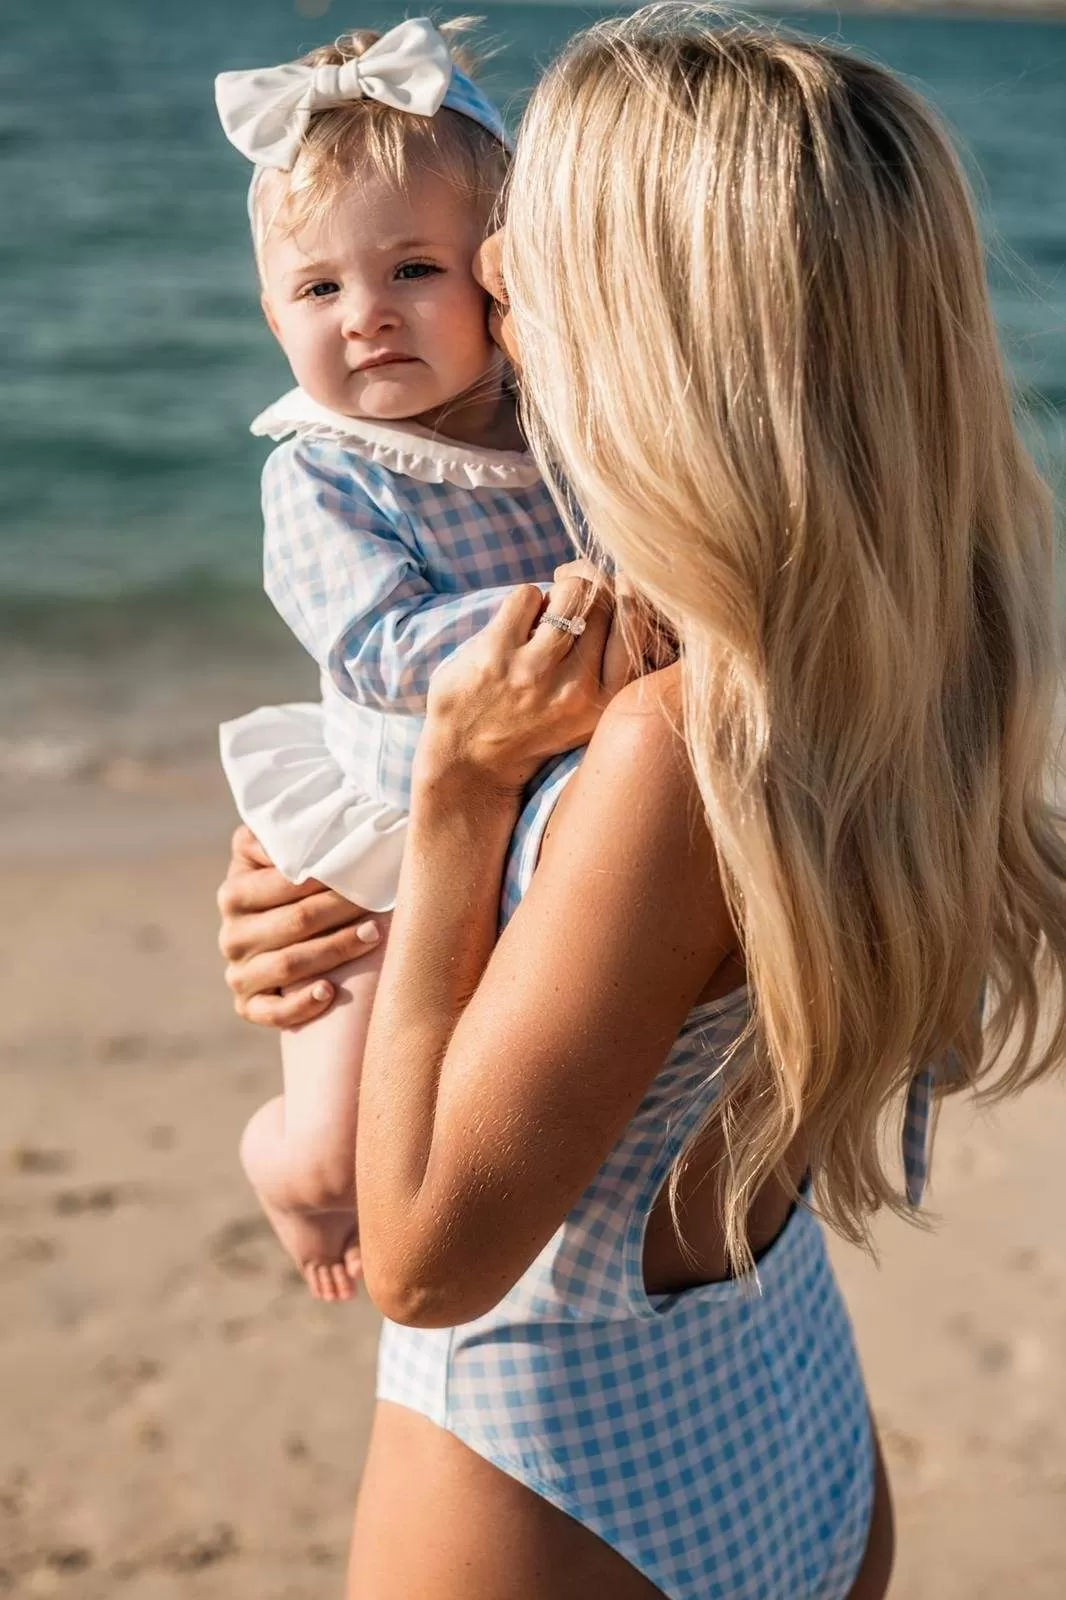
<point x="751" y="302"/>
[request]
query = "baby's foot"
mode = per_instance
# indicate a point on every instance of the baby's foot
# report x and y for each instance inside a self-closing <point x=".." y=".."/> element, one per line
<point x="324" y="1246"/>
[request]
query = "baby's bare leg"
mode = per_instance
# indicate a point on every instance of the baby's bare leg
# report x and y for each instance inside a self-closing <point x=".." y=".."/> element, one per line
<point x="299" y="1150"/>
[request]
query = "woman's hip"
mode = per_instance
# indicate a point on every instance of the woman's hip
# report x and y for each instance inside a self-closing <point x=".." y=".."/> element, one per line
<point x="436" y="1521"/>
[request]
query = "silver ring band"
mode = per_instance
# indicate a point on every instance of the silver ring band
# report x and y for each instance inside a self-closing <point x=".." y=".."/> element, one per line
<point x="574" y="625"/>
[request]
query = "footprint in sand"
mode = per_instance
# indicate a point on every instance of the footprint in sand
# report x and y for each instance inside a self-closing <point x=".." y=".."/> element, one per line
<point x="32" y="1250"/>
<point x="151" y="1436"/>
<point x="33" y="1160"/>
<point x="126" y="1376"/>
<point x="97" y="1197"/>
<point x="192" y="1552"/>
<point x="1020" y="1355"/>
<point x="183" y="1553"/>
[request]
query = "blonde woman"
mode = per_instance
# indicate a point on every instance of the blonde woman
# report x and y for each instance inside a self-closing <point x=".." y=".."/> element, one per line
<point x="749" y="301"/>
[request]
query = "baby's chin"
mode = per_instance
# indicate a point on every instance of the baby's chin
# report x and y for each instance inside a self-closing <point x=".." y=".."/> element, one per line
<point x="392" y="397"/>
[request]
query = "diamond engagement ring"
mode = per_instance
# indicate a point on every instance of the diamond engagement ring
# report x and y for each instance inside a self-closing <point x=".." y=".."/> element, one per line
<point x="574" y="625"/>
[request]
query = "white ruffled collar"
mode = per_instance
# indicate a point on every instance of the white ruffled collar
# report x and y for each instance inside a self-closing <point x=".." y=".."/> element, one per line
<point x="402" y="447"/>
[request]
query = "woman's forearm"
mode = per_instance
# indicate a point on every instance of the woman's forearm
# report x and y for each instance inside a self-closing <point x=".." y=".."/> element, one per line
<point x="427" y="1145"/>
<point x="442" y="935"/>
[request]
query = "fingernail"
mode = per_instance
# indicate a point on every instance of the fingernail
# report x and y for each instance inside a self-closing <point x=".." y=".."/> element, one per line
<point x="321" y="991"/>
<point x="367" y="932"/>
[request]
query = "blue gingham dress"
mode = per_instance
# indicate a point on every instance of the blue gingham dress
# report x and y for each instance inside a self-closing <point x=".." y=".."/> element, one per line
<point x="717" y="1438"/>
<point x="385" y="549"/>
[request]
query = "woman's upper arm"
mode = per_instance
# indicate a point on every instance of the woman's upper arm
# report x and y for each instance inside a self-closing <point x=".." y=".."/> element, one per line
<point x="620" y="930"/>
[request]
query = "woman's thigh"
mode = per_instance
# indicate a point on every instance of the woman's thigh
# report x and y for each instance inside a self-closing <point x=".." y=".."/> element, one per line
<point x="437" y="1522"/>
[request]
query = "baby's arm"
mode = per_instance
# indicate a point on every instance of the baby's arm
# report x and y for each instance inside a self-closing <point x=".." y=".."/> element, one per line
<point x="350" y="584"/>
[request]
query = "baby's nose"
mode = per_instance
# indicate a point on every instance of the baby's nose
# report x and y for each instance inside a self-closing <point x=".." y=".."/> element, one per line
<point x="367" y="313"/>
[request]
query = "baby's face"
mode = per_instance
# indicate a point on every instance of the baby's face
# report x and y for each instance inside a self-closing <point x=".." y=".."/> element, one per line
<point x="376" y="306"/>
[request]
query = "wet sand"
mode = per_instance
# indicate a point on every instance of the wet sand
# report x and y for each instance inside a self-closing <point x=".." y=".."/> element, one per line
<point x="180" y="1422"/>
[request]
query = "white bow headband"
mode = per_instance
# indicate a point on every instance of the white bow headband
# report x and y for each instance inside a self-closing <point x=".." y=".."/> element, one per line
<point x="266" y="112"/>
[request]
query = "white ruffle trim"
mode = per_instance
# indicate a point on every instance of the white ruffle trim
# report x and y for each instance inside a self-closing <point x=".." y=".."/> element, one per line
<point x="408" y="448"/>
<point x="313" y="822"/>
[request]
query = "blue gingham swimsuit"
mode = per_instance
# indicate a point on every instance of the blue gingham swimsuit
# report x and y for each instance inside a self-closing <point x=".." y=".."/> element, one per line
<point x="717" y="1438"/>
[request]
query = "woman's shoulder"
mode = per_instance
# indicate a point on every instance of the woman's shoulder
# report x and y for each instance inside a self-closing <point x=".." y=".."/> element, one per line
<point x="636" y="779"/>
<point x="641" y="735"/>
<point x="631" y="819"/>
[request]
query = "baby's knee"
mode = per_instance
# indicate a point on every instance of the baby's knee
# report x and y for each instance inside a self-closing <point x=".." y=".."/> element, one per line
<point x="320" y="1181"/>
<point x="304" y="1171"/>
<point x="261" y="1140"/>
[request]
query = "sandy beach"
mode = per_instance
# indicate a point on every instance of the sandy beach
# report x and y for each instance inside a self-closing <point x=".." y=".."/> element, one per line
<point x="180" y="1422"/>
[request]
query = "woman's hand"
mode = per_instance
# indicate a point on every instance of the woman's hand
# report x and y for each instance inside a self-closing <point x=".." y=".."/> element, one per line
<point x="523" y="689"/>
<point x="280" y="938"/>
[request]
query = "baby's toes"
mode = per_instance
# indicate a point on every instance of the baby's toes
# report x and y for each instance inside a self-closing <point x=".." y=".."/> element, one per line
<point x="342" y="1284"/>
<point x="324" y="1276"/>
<point x="353" y="1264"/>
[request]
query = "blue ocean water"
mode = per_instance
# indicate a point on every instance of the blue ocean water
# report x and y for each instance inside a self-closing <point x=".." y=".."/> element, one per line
<point x="132" y="352"/>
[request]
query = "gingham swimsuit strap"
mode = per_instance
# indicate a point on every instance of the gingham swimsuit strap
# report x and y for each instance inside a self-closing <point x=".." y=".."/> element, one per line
<point x="918" y="1116"/>
<point x="918" y="1132"/>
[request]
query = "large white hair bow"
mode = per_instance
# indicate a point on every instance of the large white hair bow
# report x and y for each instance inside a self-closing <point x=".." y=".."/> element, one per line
<point x="266" y="112"/>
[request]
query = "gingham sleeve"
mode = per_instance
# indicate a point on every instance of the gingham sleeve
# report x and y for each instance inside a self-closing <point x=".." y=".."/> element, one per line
<point x="351" y="586"/>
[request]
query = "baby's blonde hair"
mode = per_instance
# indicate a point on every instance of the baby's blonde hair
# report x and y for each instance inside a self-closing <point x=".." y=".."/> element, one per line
<point x="365" y="137"/>
<point x="750" y="298"/>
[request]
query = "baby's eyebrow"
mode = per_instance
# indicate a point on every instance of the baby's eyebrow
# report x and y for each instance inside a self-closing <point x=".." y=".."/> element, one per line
<point x="387" y="246"/>
<point x="310" y="268"/>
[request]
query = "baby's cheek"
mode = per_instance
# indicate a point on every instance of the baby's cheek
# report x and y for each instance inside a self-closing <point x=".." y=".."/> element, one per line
<point x="470" y="315"/>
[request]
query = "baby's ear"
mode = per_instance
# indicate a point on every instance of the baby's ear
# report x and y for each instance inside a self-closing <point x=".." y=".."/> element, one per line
<point x="268" y="312"/>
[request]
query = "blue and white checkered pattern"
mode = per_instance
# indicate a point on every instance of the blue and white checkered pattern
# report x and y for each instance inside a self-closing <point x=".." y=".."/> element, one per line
<point x="918" y="1133"/>
<point x="381" y="576"/>
<point x="919" y="1117"/>
<point x="718" y="1438"/>
<point x="465" y="97"/>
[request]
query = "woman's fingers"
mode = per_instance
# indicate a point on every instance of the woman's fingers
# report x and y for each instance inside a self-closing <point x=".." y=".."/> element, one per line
<point x="524" y="689"/>
<point x="262" y="889"/>
<point x="580" y="567"/>
<point x="276" y="926"/>
<point x="572" y="597"/>
<point x="289" y="1010"/>
<point x="246" y="851"/>
<point x="517" y="616"/>
<point x="586" y="658"/>
<point x="295" y="964"/>
<point x="277" y="935"/>
<point x="622" y="651"/>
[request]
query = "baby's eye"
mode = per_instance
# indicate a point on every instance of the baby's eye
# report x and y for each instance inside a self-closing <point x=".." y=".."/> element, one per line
<point x="320" y="291"/>
<point x="415" y="269"/>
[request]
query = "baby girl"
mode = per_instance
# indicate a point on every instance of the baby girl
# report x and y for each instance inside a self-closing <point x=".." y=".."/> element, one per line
<point x="398" y="512"/>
